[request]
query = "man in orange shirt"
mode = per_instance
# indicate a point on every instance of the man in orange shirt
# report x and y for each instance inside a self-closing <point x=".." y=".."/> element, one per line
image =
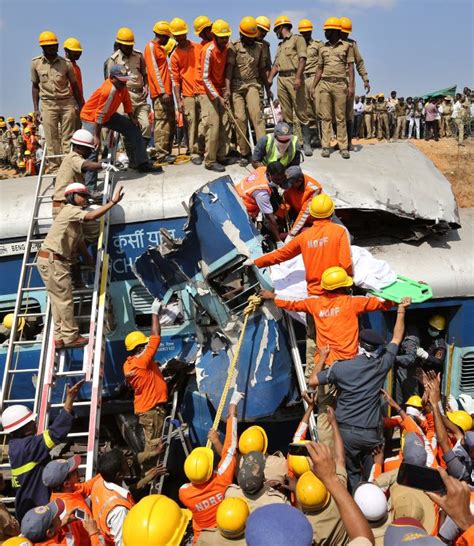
<point x="212" y="67"/>
<point x="159" y="80"/>
<point x="207" y="488"/>
<point x="101" y="111"/>
<point x="184" y="69"/>
<point x="299" y="196"/>
<point x="73" y="52"/>
<point x="143" y="374"/>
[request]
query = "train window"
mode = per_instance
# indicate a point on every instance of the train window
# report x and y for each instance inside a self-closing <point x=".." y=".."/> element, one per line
<point x="34" y="324"/>
<point x="466" y="384"/>
<point x="141" y="301"/>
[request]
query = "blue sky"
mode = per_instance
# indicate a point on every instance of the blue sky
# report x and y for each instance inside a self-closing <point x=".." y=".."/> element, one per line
<point x="414" y="46"/>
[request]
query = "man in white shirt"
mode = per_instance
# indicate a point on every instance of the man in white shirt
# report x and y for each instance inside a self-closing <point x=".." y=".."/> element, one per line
<point x="358" y="115"/>
<point x="457" y="116"/>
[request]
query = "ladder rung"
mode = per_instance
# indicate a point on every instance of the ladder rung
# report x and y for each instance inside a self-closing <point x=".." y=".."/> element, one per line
<point x="19" y="401"/>
<point x="43" y="218"/>
<point x="34" y="289"/>
<point x="31" y="264"/>
<point x="46" y="196"/>
<point x="31" y="315"/>
<point x="26" y="370"/>
<point x="36" y="240"/>
<point x="55" y="156"/>
<point x="28" y="342"/>
<point x="52" y="175"/>
<point x="70" y="373"/>
<point x="78" y="434"/>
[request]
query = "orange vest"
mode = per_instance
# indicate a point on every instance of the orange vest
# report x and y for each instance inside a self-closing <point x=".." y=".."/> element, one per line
<point x="103" y="501"/>
<point x="255" y="181"/>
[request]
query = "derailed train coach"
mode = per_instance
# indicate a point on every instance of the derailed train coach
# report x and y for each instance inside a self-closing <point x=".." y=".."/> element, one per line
<point x="184" y="241"/>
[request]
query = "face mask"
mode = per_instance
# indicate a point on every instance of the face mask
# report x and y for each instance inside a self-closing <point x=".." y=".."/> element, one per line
<point x="432" y="332"/>
<point x="370" y="354"/>
<point x="414" y="412"/>
<point x="282" y="146"/>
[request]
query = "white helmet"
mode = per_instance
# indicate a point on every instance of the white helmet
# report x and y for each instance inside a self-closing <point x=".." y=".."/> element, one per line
<point x="83" y="138"/>
<point x="15" y="417"/>
<point x="371" y="500"/>
<point x="75" y="187"/>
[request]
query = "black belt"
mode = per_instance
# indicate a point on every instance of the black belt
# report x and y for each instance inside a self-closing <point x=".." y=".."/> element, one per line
<point x="334" y="79"/>
<point x="286" y="73"/>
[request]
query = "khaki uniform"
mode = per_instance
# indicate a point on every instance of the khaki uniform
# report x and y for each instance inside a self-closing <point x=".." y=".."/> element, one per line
<point x="401" y="119"/>
<point x="288" y="55"/>
<point x="61" y="243"/>
<point x="4" y="147"/>
<point x="246" y="64"/>
<point x="381" y="114"/>
<point x="16" y="148"/>
<point x="312" y="51"/>
<point x="266" y="55"/>
<point x="328" y="529"/>
<point x="333" y="61"/>
<point x="213" y="537"/>
<point x="360" y="66"/>
<point x="58" y="106"/>
<point x="369" y="120"/>
<point x="135" y="65"/>
<point x="69" y="171"/>
<point x="276" y="467"/>
<point x="265" y="496"/>
<point x="152" y="422"/>
<point x="445" y="126"/>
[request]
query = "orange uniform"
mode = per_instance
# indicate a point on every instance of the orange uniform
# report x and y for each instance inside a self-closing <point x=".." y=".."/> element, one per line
<point x="104" y="102"/>
<point x="255" y="181"/>
<point x="159" y="78"/>
<point x="199" y="89"/>
<point x="184" y="68"/>
<point x="467" y="538"/>
<point x="143" y="374"/>
<point x="203" y="499"/>
<point x="299" y="202"/>
<point x="30" y="167"/>
<point x="78" y="73"/>
<point x="325" y="244"/>
<point x="212" y="66"/>
<point x="336" y="317"/>
<point x="31" y="142"/>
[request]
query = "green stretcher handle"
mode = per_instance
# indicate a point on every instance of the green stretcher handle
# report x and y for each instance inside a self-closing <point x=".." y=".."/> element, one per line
<point x="405" y="287"/>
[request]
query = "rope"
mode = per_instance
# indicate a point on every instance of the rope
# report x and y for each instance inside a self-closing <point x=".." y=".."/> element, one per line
<point x="253" y="303"/>
<point x="231" y="115"/>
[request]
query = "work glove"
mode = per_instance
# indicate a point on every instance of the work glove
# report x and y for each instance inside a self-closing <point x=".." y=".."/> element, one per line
<point x="467" y="403"/>
<point x="236" y="397"/>
<point x="420" y="352"/>
<point x="452" y="403"/>
<point x="108" y="167"/>
<point x="156" y="307"/>
<point x="248" y="262"/>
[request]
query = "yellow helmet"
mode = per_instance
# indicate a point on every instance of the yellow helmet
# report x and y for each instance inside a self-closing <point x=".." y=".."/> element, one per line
<point x="311" y="492"/>
<point x="380" y="96"/>
<point x="2" y="124"/>
<point x="414" y="401"/>
<point x="156" y="519"/>
<point x="335" y="277"/>
<point x="299" y="463"/>
<point x="16" y="129"/>
<point x="263" y="22"/>
<point x="31" y="114"/>
<point x="332" y="23"/>
<point x="282" y="20"/>
<point x="346" y="24"/>
<point x="134" y="339"/>
<point x="248" y="27"/>
<point x="178" y="26"/>
<point x="305" y="25"/>
<point x="169" y="47"/>
<point x="231" y="517"/>
<point x="73" y="44"/>
<point x="26" y="131"/>
<point x="221" y="28"/>
<point x="27" y="152"/>
<point x="21" y="164"/>
<point x="125" y="36"/>
<point x="322" y="206"/>
<point x="460" y="418"/>
<point x="438" y="322"/>
<point x="23" y="120"/>
<point x="48" y="38"/>
<point x="10" y="119"/>
<point x="162" y="27"/>
<point x="199" y="465"/>
<point x="200" y="23"/>
<point x="8" y="322"/>
<point x="253" y="439"/>
<point x="17" y="541"/>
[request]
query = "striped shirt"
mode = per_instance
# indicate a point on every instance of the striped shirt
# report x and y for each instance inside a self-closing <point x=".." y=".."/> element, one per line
<point x="104" y="102"/>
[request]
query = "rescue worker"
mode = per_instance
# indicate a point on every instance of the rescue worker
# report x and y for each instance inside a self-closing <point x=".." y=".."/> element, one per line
<point x="406" y="381"/>
<point x="111" y="500"/>
<point x="289" y="64"/>
<point x="358" y="382"/>
<point x="231" y="517"/>
<point x="30" y="164"/>
<point x="101" y="111"/>
<point x="72" y="52"/>
<point x="184" y="69"/>
<point x="143" y="374"/>
<point x="400" y="113"/>
<point x="24" y="125"/>
<point x="346" y="29"/>
<point x="28" y="452"/>
<point x="281" y="146"/>
<point x="54" y="83"/>
<point x="263" y="28"/>
<point x="161" y="92"/>
<point x="256" y="193"/>
<point x="206" y="489"/>
<point x="11" y="122"/>
<point x="63" y="241"/>
<point x="335" y="77"/>
<point x="305" y="28"/>
<point x="435" y="356"/>
<point x="445" y="126"/>
<point x="16" y="147"/>
<point x="212" y="66"/>
<point x="202" y="29"/>
<point x="381" y="117"/>
<point x="31" y="140"/>
<point x="251" y="483"/>
<point x="245" y="70"/>
<point x="299" y="197"/>
<point x="137" y="84"/>
<point x="4" y="146"/>
<point x="156" y="519"/>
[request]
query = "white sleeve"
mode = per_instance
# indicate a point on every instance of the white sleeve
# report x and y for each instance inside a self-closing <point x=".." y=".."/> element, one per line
<point x="115" y="521"/>
<point x="262" y="198"/>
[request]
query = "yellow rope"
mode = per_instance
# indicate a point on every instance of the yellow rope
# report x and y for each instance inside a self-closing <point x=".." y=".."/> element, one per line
<point x="253" y="304"/>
